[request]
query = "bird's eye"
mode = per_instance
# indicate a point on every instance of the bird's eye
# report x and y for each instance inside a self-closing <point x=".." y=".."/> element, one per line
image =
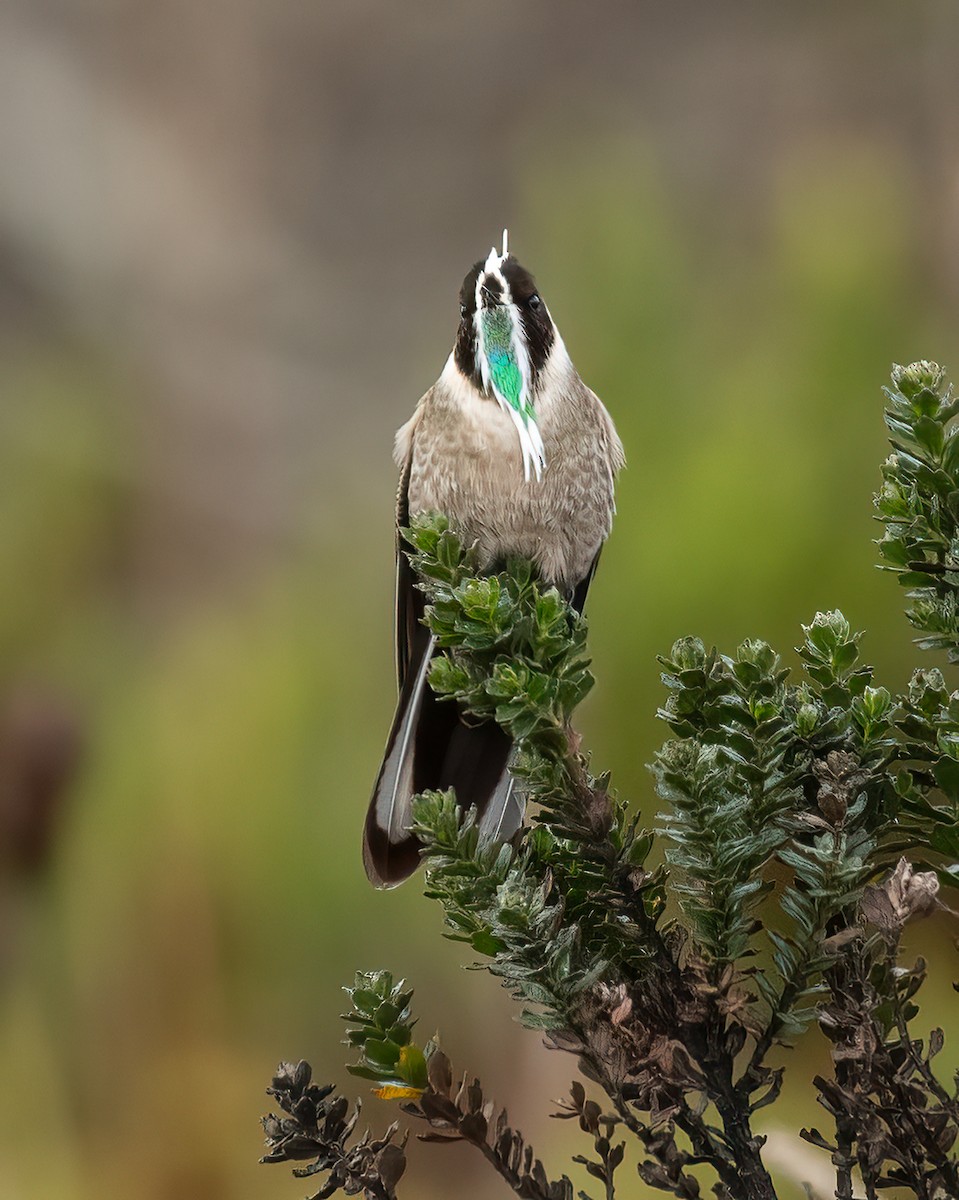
<point x="534" y="302"/>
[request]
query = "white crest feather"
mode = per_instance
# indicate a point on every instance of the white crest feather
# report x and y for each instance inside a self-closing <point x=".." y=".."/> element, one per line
<point x="494" y="260"/>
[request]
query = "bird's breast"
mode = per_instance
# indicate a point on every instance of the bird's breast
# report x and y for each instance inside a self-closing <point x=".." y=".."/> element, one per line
<point x="467" y="463"/>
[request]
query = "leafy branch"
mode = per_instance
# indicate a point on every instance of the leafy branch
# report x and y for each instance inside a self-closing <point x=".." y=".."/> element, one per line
<point x="805" y="820"/>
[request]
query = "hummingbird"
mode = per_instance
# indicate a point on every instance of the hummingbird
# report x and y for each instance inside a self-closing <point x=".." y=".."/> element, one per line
<point x="521" y="457"/>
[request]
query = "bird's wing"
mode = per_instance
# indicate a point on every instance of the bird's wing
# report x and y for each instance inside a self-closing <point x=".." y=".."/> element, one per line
<point x="578" y="598"/>
<point x="505" y="811"/>
<point x="409" y="600"/>
<point x="390" y="852"/>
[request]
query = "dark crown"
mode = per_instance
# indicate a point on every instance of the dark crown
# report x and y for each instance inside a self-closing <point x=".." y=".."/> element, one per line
<point x="537" y="326"/>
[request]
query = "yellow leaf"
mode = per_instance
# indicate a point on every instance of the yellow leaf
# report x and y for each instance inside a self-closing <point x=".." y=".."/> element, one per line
<point x="391" y="1092"/>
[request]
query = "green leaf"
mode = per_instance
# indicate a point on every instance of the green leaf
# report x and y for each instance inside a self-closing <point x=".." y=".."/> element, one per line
<point x="950" y="454"/>
<point x="929" y="434"/>
<point x="949" y="876"/>
<point x="412" y="1066"/>
<point x="946" y="772"/>
<point x="382" y="1053"/>
<point x="944" y="839"/>
<point x="483" y="942"/>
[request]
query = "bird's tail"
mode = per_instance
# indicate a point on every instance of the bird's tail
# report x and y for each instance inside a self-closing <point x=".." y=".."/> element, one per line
<point x="432" y="747"/>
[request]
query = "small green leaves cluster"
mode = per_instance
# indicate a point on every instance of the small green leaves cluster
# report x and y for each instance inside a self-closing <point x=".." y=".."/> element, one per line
<point x="518" y="907"/>
<point x="844" y="741"/>
<point x="919" y="501"/>
<point x="831" y="857"/>
<point x="729" y="780"/>
<point x="494" y="898"/>
<point x="749" y="783"/>
<point x="927" y="788"/>
<point x="840" y="707"/>
<point x="556" y="911"/>
<point x="464" y="873"/>
<point x="382" y="1031"/>
<point x="514" y="652"/>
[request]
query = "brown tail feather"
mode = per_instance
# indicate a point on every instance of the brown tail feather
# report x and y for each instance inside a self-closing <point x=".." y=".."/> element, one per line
<point x="431" y="747"/>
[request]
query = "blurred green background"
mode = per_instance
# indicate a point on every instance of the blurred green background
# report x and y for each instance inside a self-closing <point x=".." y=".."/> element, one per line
<point x="231" y="239"/>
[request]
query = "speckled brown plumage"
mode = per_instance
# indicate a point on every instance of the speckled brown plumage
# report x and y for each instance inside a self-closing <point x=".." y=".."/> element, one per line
<point x="464" y="461"/>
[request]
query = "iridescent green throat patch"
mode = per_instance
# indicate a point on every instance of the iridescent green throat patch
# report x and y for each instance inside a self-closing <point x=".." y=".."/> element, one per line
<point x="510" y="385"/>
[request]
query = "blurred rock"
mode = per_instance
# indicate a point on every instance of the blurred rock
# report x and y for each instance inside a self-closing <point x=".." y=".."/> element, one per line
<point x="40" y="746"/>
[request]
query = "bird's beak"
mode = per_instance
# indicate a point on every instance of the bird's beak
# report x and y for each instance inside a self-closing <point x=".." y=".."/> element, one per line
<point x="490" y="297"/>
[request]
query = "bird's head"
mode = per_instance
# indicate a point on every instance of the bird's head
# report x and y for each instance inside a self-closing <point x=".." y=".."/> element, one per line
<point x="504" y="342"/>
